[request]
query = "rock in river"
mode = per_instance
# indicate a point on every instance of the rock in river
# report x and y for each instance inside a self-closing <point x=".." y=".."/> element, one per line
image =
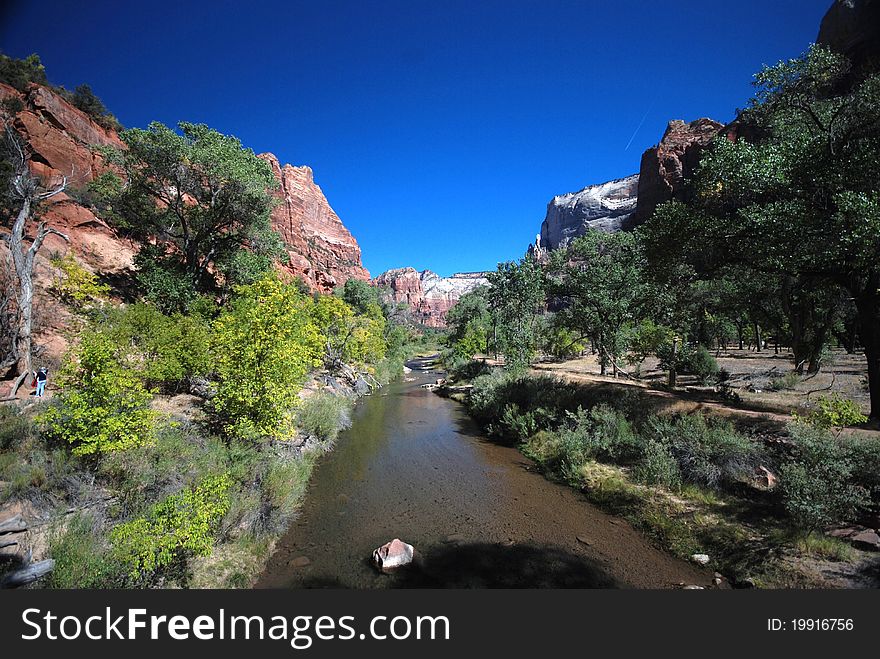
<point x="393" y="555"/>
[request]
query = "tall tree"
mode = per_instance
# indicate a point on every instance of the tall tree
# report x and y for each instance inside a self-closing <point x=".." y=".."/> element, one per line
<point x="200" y="199"/>
<point x="21" y="196"/>
<point x="516" y="300"/>
<point x="601" y="277"/>
<point x="802" y="198"/>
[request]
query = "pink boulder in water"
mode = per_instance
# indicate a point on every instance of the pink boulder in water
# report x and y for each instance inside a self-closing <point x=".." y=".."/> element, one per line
<point x="393" y="555"/>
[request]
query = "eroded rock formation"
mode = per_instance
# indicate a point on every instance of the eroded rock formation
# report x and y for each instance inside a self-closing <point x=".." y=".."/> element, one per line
<point x="321" y="251"/>
<point x="606" y="206"/>
<point x="428" y="295"/>
<point x="666" y="166"/>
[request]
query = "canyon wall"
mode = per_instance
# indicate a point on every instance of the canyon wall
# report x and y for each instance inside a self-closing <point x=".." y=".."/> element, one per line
<point x="428" y="295"/>
<point x="60" y="141"/>
<point x="320" y="250"/>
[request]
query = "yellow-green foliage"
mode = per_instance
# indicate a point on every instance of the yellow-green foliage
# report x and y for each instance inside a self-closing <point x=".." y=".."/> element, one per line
<point x="834" y="411"/>
<point x="350" y="337"/>
<point x="103" y="405"/>
<point x="169" y="348"/>
<point x="77" y="285"/>
<point x="183" y="523"/>
<point x="265" y="344"/>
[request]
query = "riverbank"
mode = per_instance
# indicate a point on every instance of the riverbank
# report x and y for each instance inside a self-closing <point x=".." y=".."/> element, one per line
<point x="414" y="466"/>
<point x="72" y="505"/>
<point x="739" y="525"/>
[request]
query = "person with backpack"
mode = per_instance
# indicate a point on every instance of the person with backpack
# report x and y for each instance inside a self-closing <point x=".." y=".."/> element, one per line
<point x="41" y="377"/>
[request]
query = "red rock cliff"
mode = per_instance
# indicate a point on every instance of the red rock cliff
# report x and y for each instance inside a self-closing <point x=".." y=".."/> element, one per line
<point x="665" y="167"/>
<point x="428" y="295"/>
<point x="321" y="251"/>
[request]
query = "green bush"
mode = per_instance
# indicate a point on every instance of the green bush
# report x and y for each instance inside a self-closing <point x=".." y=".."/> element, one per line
<point x="701" y="363"/>
<point x="818" y="481"/>
<point x="658" y="467"/>
<point x="170" y="349"/>
<point x="183" y="524"/>
<point x="461" y="369"/>
<point x="323" y="415"/>
<point x="835" y="411"/>
<point x="709" y="452"/>
<point x="785" y="382"/>
<point x="600" y="433"/>
<point x="103" y="405"/>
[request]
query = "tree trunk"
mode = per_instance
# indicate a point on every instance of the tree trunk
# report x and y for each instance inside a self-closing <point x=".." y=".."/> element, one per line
<point x="868" y="306"/>
<point x="673" y="375"/>
<point x="758" y="339"/>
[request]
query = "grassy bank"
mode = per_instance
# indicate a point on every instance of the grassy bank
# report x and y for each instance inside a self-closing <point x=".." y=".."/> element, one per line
<point x="189" y="509"/>
<point x="693" y="483"/>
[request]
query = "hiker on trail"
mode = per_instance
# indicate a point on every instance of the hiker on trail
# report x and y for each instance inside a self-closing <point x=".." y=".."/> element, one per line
<point x="41" y="377"/>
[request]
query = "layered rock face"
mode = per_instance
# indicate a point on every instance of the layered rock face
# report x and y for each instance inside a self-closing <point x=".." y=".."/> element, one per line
<point x="625" y="203"/>
<point x="665" y="167"/>
<point x="428" y="295"/>
<point x="606" y="207"/>
<point x="321" y="251"/>
<point x="61" y="139"/>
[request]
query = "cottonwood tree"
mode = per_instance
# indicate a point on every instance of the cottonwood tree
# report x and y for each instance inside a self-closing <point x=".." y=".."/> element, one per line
<point x="601" y="278"/>
<point x="199" y="202"/>
<point x="516" y="300"/>
<point x="801" y="199"/>
<point x="22" y="196"/>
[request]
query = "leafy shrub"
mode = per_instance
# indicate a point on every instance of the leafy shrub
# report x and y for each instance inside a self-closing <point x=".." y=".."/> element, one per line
<point x="785" y="382"/>
<point x="77" y="286"/>
<point x="323" y="415"/>
<point x="658" y="466"/>
<point x="103" y="405"/>
<point x="708" y="451"/>
<point x="170" y="349"/>
<point x="701" y="363"/>
<point x="465" y="369"/>
<point x="518" y="424"/>
<point x="598" y="433"/>
<point x="835" y="411"/>
<point x="265" y="344"/>
<point x="545" y="447"/>
<point x="864" y="454"/>
<point x="181" y="525"/>
<point x="818" y="482"/>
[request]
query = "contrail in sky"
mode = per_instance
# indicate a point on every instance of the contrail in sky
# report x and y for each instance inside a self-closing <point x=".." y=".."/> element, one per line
<point x="635" y="132"/>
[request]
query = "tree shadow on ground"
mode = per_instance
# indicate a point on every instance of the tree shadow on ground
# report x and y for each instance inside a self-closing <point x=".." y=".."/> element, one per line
<point x="487" y="565"/>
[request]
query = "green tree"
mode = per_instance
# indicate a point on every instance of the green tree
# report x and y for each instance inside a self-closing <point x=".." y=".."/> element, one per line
<point x="265" y="344"/>
<point x="469" y="324"/>
<point x="103" y="405"/>
<point x="799" y="198"/>
<point x="516" y="302"/>
<point x="601" y="278"/>
<point x="19" y="73"/>
<point x="200" y="198"/>
<point x="360" y="295"/>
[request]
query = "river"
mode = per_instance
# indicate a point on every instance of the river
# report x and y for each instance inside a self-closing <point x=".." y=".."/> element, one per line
<point x="414" y="466"/>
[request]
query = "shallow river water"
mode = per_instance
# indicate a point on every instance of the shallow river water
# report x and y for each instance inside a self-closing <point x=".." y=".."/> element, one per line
<point x="415" y="467"/>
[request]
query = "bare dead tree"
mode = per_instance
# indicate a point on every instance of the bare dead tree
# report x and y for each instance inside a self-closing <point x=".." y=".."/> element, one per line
<point x="24" y="193"/>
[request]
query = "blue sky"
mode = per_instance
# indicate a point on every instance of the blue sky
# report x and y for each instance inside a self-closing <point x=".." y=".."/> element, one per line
<point x="438" y="130"/>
